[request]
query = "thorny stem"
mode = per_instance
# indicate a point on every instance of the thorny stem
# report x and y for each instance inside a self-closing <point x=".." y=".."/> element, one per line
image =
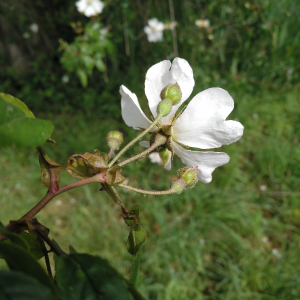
<point x="134" y="140"/>
<point x="133" y="189"/>
<point x="49" y="196"/>
<point x="142" y="154"/>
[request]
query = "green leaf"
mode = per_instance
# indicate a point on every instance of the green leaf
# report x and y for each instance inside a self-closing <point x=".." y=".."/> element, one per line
<point x="133" y="221"/>
<point x="83" y="276"/>
<point x="19" y="259"/>
<point x="82" y="77"/>
<point x="135" y="240"/>
<point x="34" y="244"/>
<point x="19" y="127"/>
<point x="134" y="276"/>
<point x="15" y="238"/>
<point x="17" y="103"/>
<point x="17" y="286"/>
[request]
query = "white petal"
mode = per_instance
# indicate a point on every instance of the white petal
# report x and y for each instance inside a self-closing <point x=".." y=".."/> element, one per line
<point x="89" y="11"/>
<point x="145" y="144"/>
<point x="206" y="162"/>
<point x="131" y="110"/>
<point x="81" y="5"/>
<point x="203" y="123"/>
<point x="160" y="75"/>
<point x="147" y="30"/>
<point x="153" y="22"/>
<point x="168" y="166"/>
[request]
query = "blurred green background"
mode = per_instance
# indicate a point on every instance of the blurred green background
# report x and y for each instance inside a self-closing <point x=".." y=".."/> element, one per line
<point x="235" y="238"/>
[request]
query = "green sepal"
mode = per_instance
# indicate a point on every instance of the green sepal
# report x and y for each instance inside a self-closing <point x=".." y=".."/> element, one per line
<point x="113" y="176"/>
<point x="86" y="165"/>
<point x="50" y="171"/>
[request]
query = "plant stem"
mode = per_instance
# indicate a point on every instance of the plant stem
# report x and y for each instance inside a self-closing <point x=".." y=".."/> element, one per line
<point x="135" y="140"/>
<point x="49" y="196"/>
<point x="112" y="192"/>
<point x="133" y="189"/>
<point x="142" y="154"/>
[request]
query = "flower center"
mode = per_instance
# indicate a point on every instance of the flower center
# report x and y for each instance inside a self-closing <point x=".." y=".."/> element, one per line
<point x="89" y="1"/>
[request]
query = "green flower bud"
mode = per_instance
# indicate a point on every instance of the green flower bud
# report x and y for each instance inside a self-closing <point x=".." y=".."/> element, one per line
<point x="189" y="175"/>
<point x="172" y="92"/>
<point x="114" y="139"/>
<point x="177" y="186"/>
<point x="164" y="107"/>
<point x="165" y="156"/>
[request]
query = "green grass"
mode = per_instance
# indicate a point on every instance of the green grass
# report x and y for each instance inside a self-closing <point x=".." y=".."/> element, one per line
<point x="214" y="241"/>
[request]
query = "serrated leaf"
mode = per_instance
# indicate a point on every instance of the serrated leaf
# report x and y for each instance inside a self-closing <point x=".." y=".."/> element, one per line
<point x="50" y="171"/>
<point x="83" y="276"/>
<point x="17" y="286"/>
<point x="19" y="127"/>
<point x="19" y="259"/>
<point x="135" y="240"/>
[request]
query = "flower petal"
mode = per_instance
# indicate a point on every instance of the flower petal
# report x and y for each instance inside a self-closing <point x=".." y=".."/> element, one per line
<point x="203" y="123"/>
<point x="131" y="110"/>
<point x="160" y="75"/>
<point x="168" y="166"/>
<point x="145" y="144"/>
<point x="206" y="162"/>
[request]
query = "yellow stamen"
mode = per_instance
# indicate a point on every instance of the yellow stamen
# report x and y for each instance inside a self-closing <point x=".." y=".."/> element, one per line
<point x="176" y="116"/>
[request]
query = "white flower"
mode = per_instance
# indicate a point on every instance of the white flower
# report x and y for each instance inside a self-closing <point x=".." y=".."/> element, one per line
<point x="65" y="79"/>
<point x="90" y="7"/>
<point x="155" y="158"/>
<point x="202" y="23"/>
<point x="34" y="27"/>
<point x="104" y="31"/>
<point x="276" y="253"/>
<point x="154" y="30"/>
<point x="201" y="125"/>
<point x="170" y="25"/>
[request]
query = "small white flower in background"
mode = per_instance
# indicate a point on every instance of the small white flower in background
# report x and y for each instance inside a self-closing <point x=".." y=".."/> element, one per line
<point x="154" y="30"/>
<point x="171" y="25"/>
<point x="228" y="10"/>
<point x="155" y="158"/>
<point x="103" y="31"/>
<point x="202" y="241"/>
<point x="72" y="200"/>
<point x="58" y="202"/>
<point x="210" y="36"/>
<point x="201" y="125"/>
<point x="202" y="23"/>
<point x="26" y="35"/>
<point x="276" y="253"/>
<point x="247" y="5"/>
<point x="90" y="7"/>
<point x="265" y="239"/>
<point x="34" y="27"/>
<point x="95" y="26"/>
<point x="17" y="186"/>
<point x="263" y="188"/>
<point x="255" y="115"/>
<point x="58" y="222"/>
<point x="65" y="79"/>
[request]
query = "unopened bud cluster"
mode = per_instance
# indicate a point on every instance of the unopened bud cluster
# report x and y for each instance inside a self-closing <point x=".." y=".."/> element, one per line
<point x="186" y="178"/>
<point x="170" y="95"/>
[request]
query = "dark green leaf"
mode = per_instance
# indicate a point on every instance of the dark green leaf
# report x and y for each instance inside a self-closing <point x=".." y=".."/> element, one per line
<point x="17" y="286"/>
<point x="134" y="276"/>
<point x="135" y="240"/>
<point x="82" y="276"/>
<point x="19" y="127"/>
<point x="21" y="260"/>
<point x="15" y="238"/>
<point x="34" y="244"/>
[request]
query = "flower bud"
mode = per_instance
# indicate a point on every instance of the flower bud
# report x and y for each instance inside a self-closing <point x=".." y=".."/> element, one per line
<point x="177" y="186"/>
<point x="189" y="175"/>
<point x="164" y="107"/>
<point x="165" y="156"/>
<point x="114" y="139"/>
<point x="172" y="92"/>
